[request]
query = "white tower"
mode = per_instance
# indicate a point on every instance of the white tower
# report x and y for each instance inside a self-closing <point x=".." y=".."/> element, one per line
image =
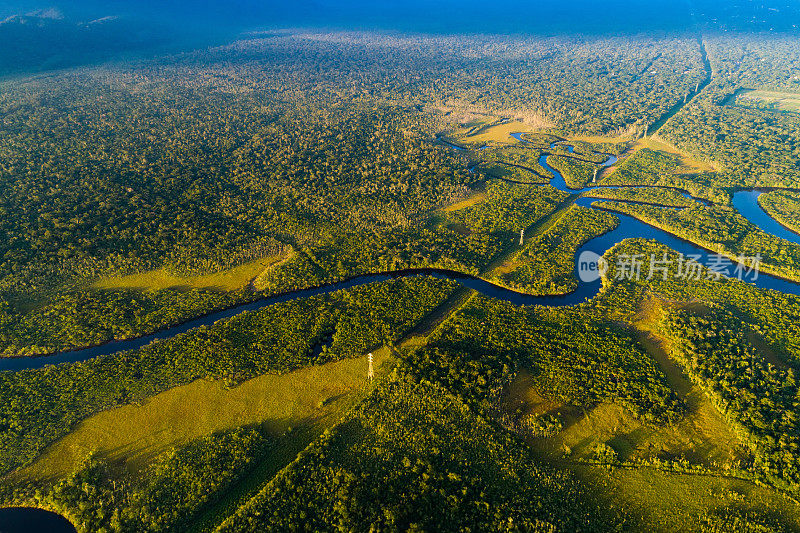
<point x="370" y="371"/>
<point x="521" y="236"/>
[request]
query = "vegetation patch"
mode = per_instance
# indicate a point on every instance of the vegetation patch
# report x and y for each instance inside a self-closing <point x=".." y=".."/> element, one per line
<point x="651" y="195"/>
<point x="721" y="229"/>
<point x="769" y="100"/>
<point x="40" y="406"/>
<point x="497" y="133"/>
<point x="650" y="167"/>
<point x="577" y="174"/>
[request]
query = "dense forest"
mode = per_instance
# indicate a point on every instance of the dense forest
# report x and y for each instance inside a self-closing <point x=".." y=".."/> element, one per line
<point x="753" y="147"/>
<point x="426" y="450"/>
<point x="758" y="396"/>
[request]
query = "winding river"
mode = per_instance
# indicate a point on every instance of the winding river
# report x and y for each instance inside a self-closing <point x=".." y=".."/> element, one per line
<point x="745" y="201"/>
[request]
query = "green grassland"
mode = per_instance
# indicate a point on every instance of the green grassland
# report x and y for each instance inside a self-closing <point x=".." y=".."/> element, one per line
<point x="130" y="437"/>
<point x="771" y="100"/>
<point x="420" y="448"/>
<point x="674" y="502"/>
<point x="138" y="445"/>
<point x="228" y="280"/>
<point x="496" y="133"/>
<point x="43" y="405"/>
<point x="566" y="402"/>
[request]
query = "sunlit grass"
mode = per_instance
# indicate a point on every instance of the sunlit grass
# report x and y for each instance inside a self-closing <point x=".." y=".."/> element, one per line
<point x="500" y="133"/>
<point x="227" y="280"/>
<point x="130" y="437"/>
<point x="779" y="101"/>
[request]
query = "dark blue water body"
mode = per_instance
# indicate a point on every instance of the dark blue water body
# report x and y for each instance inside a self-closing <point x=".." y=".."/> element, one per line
<point x="33" y="520"/>
<point x="570" y="148"/>
<point x="628" y="228"/>
<point x="744" y="201"/>
<point x="611" y="159"/>
<point x="21" y="363"/>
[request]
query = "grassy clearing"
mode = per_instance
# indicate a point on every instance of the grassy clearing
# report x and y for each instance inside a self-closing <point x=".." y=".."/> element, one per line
<point x="599" y="139"/>
<point x="774" y="100"/>
<point x="656" y="500"/>
<point x="500" y="133"/>
<point x="521" y="397"/>
<point x="286" y="452"/>
<point x="130" y="437"/>
<point x="686" y="163"/>
<point x="672" y="502"/>
<point x="227" y="280"/>
<point x="701" y="437"/>
<point x="472" y="200"/>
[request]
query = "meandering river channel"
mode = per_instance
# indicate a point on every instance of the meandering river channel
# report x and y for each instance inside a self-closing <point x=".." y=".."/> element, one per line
<point x="745" y="201"/>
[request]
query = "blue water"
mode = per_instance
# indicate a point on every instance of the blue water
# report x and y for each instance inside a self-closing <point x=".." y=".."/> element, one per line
<point x="628" y="228"/>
